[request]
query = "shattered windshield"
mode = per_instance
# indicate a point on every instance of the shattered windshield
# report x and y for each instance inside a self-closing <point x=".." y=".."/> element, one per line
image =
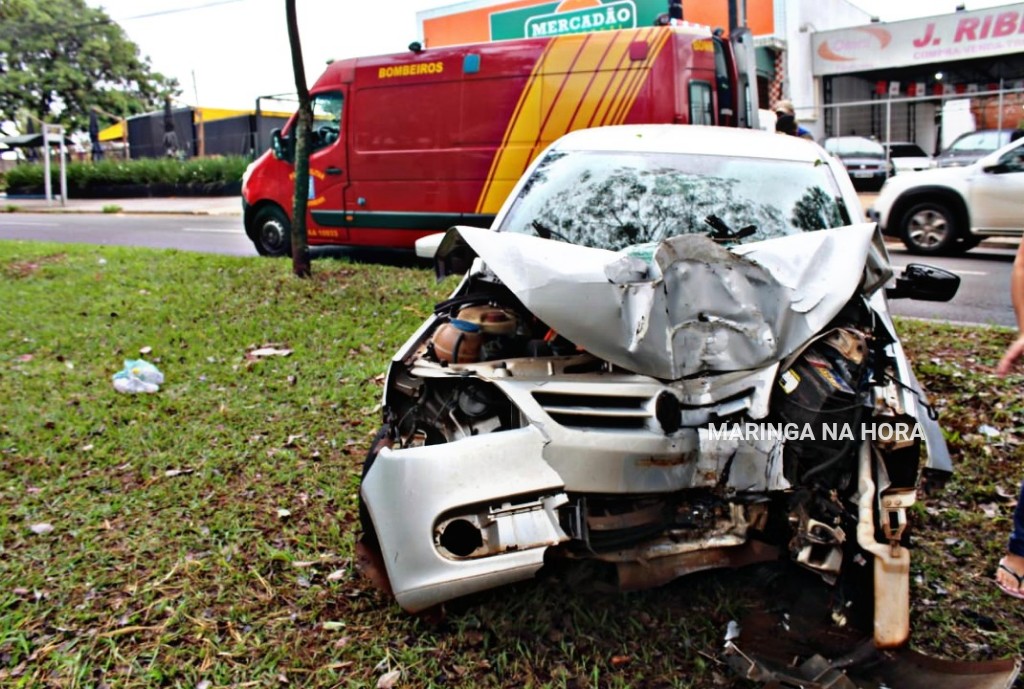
<point x="614" y="200"/>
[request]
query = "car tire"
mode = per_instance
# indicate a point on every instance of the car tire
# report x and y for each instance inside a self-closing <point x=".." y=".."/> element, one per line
<point x="929" y="228"/>
<point x="271" y="232"/>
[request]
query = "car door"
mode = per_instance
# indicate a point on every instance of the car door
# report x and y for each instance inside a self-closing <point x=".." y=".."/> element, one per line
<point x="997" y="194"/>
<point x="328" y="173"/>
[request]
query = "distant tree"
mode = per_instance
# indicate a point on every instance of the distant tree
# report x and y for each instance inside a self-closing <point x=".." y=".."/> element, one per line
<point x="301" y="266"/>
<point x="60" y="58"/>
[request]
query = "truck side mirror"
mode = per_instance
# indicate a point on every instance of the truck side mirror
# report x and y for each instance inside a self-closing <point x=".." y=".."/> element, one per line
<point x="281" y="147"/>
<point x="925" y="283"/>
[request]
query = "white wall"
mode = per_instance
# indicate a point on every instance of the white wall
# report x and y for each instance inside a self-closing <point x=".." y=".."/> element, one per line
<point x="800" y="86"/>
<point x="956" y="119"/>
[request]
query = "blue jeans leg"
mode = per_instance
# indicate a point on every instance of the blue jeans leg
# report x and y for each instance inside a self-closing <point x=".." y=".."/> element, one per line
<point x="1017" y="537"/>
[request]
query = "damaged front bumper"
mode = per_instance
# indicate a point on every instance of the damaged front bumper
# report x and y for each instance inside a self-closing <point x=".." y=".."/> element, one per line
<point x="449" y="512"/>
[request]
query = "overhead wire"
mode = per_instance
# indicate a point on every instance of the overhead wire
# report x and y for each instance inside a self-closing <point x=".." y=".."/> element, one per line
<point x="46" y="28"/>
<point x="179" y="10"/>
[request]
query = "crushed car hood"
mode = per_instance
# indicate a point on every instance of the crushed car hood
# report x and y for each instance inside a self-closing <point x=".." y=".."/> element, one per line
<point x="685" y="305"/>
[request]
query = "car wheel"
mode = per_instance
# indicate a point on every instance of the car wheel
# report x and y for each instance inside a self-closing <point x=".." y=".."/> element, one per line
<point x="271" y="232"/>
<point x="929" y="228"/>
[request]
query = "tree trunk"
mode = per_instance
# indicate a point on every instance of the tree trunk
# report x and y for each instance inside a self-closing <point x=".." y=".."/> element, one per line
<point x="300" y="248"/>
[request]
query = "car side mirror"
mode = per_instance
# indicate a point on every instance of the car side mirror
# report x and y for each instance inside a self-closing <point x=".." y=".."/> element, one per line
<point x="281" y="147"/>
<point x="924" y="283"/>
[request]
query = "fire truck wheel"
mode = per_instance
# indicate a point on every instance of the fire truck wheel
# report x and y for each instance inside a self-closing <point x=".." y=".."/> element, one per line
<point x="271" y="232"/>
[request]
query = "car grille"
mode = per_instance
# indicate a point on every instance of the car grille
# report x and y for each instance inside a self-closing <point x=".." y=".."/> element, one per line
<point x="596" y="411"/>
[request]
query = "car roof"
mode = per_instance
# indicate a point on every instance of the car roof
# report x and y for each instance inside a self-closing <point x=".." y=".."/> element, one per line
<point x="693" y="139"/>
<point x="982" y="131"/>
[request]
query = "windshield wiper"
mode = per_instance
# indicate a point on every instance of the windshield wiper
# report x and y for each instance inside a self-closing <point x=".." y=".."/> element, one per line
<point x="545" y="232"/>
<point x="723" y="233"/>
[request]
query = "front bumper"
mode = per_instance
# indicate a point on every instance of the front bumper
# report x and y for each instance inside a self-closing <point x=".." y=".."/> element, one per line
<point x="500" y="478"/>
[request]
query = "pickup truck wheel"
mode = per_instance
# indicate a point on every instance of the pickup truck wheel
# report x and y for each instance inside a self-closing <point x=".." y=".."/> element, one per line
<point x="271" y="232"/>
<point x="929" y="228"/>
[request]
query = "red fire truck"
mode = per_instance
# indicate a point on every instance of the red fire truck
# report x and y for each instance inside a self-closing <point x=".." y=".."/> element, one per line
<point x="409" y="144"/>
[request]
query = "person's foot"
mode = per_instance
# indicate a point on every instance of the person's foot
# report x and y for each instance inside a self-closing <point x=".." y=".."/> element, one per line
<point x="1010" y="575"/>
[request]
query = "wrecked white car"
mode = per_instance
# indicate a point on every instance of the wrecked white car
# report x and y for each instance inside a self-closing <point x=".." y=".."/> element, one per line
<point x="672" y="353"/>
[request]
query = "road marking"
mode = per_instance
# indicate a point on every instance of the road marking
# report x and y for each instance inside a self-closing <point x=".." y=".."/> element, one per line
<point x="22" y="223"/>
<point x="957" y="272"/>
<point x="211" y="230"/>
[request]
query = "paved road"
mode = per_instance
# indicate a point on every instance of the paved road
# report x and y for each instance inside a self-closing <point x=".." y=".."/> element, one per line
<point x="207" y="233"/>
<point x="984" y="271"/>
<point x="983" y="297"/>
<point x="984" y="294"/>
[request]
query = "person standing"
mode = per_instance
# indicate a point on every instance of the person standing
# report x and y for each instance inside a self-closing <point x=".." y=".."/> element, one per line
<point x="1010" y="571"/>
<point x="785" y="124"/>
<point x="784" y="108"/>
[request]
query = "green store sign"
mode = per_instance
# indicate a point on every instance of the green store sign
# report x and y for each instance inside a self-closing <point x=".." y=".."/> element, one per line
<point x="544" y="20"/>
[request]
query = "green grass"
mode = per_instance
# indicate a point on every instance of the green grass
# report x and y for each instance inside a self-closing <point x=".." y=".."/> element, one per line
<point x="205" y="533"/>
<point x="112" y="208"/>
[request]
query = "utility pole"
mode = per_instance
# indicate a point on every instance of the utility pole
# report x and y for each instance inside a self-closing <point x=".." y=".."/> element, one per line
<point x="201" y="148"/>
<point x="742" y="41"/>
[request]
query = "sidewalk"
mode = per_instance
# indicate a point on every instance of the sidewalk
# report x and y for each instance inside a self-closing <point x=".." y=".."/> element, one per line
<point x="170" y="205"/>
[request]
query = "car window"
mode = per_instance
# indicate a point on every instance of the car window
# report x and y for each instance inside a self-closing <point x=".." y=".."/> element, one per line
<point x="326" y="119"/>
<point x="906" y="151"/>
<point x="1013" y="160"/>
<point x="612" y="201"/>
<point x="978" y="141"/>
<point x="854" y="146"/>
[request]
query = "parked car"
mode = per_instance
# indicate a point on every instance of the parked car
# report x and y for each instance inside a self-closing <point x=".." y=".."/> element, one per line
<point x="950" y="210"/>
<point x="863" y="158"/>
<point x="661" y="359"/>
<point x="970" y="147"/>
<point x="906" y="156"/>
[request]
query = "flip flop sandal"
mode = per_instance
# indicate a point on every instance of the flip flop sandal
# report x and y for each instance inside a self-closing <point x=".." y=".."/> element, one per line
<point x="1017" y="592"/>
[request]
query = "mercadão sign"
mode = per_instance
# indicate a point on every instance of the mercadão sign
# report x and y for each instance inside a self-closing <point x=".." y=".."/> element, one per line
<point x="477" y="21"/>
<point x="543" y="20"/>
<point x="606" y="17"/>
